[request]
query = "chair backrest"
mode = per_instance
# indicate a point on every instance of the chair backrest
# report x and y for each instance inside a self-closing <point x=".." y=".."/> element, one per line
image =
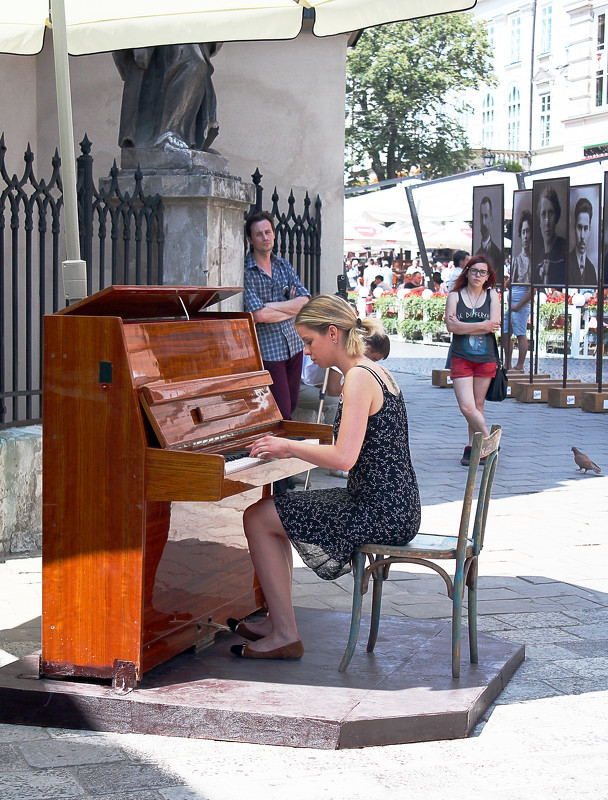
<point x="481" y="448"/>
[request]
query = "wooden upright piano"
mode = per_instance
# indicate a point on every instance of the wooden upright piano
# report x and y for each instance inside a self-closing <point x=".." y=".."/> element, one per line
<point x="149" y="403"/>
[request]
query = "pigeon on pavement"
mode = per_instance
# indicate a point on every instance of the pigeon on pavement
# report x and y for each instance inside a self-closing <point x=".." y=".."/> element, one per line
<point x="584" y="462"/>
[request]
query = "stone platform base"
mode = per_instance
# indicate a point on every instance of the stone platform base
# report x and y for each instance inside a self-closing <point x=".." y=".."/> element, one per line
<point x="404" y="692"/>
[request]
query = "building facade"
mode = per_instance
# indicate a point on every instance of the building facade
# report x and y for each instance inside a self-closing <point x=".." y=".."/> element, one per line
<point x="550" y="105"/>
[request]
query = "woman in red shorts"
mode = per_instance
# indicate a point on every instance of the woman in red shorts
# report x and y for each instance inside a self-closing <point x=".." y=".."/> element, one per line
<point x="472" y="316"/>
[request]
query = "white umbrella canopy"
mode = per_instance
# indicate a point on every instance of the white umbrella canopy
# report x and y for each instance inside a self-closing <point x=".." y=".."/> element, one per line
<point x="116" y="24"/>
<point x="81" y="27"/>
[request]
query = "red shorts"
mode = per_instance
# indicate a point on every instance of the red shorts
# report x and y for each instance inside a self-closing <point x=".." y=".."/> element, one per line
<point x="461" y="368"/>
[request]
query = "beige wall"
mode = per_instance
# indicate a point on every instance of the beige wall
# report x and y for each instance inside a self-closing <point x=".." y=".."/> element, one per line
<point x="280" y="108"/>
<point x="17" y="118"/>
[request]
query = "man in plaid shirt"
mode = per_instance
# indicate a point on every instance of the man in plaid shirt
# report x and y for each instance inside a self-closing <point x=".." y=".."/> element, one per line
<point x="274" y="294"/>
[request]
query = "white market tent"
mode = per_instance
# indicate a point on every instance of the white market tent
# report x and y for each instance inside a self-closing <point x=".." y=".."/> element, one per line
<point x="580" y="173"/>
<point x="451" y="199"/>
<point x="444" y="207"/>
<point x="380" y="205"/>
<point x="366" y="232"/>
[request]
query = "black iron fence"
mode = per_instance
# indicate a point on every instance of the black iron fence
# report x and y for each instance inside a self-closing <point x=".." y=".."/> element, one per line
<point x="298" y="236"/>
<point x="121" y="240"/>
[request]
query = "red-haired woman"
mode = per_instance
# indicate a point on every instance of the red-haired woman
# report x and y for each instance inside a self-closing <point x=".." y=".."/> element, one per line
<point x="472" y="316"/>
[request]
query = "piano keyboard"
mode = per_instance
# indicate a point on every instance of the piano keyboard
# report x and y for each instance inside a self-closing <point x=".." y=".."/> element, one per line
<point x="237" y="460"/>
<point x="236" y="464"/>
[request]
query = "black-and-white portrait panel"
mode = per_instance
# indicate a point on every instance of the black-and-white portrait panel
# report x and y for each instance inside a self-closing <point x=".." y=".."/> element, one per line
<point x="550" y="201"/>
<point x="488" y="226"/>
<point x="583" y="256"/>
<point x="521" y="241"/>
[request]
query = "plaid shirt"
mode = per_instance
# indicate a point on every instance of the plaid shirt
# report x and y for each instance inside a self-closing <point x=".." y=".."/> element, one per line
<point x="278" y="340"/>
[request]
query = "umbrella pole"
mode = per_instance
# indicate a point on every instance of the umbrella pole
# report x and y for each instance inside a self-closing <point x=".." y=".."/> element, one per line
<point x="322" y="394"/>
<point x="74" y="269"/>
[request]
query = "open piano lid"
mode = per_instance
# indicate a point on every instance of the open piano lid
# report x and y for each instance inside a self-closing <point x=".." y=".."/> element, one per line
<point x="150" y="302"/>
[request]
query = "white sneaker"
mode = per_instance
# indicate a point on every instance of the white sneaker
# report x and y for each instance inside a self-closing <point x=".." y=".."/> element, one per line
<point x="338" y="473"/>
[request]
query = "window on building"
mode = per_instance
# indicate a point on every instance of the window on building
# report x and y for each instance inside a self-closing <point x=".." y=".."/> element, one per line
<point x="600" y="49"/>
<point x="514" y="117"/>
<point x="545" y="119"/>
<point x="487" y="121"/>
<point x="546" y="17"/>
<point x="515" y="37"/>
<point x="491" y="35"/>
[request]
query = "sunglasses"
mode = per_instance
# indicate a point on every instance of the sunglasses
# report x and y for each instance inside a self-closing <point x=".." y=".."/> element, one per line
<point x="481" y="272"/>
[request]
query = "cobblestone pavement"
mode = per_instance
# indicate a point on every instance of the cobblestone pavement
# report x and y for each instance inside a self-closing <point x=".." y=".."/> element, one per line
<point x="543" y="583"/>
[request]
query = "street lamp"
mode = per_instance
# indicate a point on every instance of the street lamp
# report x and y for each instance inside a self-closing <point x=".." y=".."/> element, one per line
<point x="488" y="158"/>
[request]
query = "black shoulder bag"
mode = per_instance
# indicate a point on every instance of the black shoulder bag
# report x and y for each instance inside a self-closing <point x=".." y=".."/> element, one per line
<point x="497" y="390"/>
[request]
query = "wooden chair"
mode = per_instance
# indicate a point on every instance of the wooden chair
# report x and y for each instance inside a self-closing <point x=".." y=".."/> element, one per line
<point x="425" y="549"/>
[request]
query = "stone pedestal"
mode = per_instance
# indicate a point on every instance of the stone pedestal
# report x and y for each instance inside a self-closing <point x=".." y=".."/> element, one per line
<point x="20" y="490"/>
<point x="203" y="211"/>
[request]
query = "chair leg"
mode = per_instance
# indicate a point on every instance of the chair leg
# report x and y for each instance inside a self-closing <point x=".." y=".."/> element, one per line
<point x="472" y="603"/>
<point x="457" y="620"/>
<point x="355" y="621"/>
<point x="378" y="577"/>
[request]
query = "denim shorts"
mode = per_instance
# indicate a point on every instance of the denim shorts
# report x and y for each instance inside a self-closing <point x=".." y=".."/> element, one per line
<point x="519" y="320"/>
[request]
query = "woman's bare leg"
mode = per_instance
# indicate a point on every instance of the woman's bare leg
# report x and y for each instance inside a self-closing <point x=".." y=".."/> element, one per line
<point x="480" y="389"/>
<point x="470" y="401"/>
<point x="271" y="554"/>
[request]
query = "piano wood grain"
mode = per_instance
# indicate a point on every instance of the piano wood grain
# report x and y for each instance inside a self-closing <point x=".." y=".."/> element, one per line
<point x="125" y="584"/>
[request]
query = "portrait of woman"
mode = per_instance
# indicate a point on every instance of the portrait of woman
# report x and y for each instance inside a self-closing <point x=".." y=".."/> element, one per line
<point x="522" y="238"/>
<point x="550" y="236"/>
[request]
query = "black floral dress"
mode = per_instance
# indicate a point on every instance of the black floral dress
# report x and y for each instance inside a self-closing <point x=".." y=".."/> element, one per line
<point x="380" y="503"/>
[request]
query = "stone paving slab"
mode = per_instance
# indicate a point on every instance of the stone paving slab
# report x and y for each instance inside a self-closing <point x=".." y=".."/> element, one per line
<point x="546" y="534"/>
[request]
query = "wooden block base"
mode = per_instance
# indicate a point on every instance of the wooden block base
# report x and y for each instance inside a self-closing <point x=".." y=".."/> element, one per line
<point x="595" y="402"/>
<point x="558" y="397"/>
<point x="538" y="392"/>
<point x="441" y="378"/>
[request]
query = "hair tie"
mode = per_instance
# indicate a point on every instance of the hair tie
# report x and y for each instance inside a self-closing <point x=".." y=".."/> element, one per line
<point x="359" y="323"/>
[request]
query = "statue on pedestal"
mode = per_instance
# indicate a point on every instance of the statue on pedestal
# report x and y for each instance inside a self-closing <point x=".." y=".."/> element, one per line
<point x="168" y="98"/>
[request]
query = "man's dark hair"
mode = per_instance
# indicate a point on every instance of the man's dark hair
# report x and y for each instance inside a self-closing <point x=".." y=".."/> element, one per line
<point x="486" y="199"/>
<point x="583" y="206"/>
<point x="258" y="216"/>
<point x="459" y="255"/>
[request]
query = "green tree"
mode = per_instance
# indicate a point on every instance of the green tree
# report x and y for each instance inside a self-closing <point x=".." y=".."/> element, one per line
<point x="403" y="83"/>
